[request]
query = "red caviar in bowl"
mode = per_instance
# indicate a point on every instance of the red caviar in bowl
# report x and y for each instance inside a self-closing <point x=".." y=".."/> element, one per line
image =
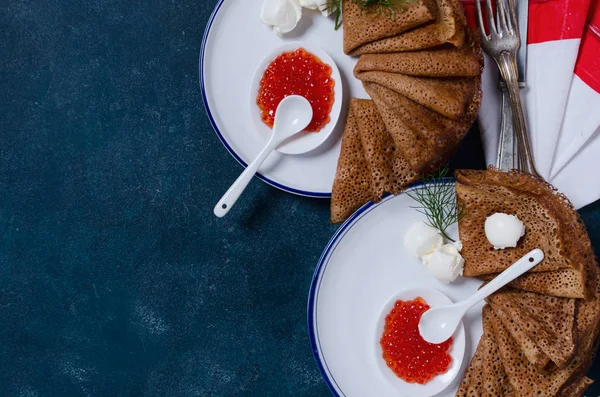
<point x="297" y="73"/>
<point x="404" y="350"/>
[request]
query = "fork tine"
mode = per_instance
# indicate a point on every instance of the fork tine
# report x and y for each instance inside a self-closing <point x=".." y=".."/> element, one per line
<point x="480" y="20"/>
<point x="490" y="13"/>
<point x="501" y="16"/>
<point x="511" y="16"/>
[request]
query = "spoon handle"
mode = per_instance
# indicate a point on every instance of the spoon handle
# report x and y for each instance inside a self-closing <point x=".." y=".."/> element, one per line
<point x="240" y="184"/>
<point x="515" y="270"/>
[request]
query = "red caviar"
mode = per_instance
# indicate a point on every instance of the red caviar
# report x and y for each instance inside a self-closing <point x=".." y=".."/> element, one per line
<point x="405" y="351"/>
<point x="297" y="73"/>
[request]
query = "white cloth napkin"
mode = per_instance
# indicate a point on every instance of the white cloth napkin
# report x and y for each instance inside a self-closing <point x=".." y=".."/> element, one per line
<point x="562" y="98"/>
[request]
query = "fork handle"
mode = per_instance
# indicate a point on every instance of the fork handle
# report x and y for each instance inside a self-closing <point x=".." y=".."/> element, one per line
<point x="508" y="70"/>
<point x="507" y="147"/>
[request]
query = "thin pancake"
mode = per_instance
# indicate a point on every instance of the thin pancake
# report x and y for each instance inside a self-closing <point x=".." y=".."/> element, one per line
<point x="547" y="320"/>
<point x="448" y="27"/>
<point x="551" y="222"/>
<point x="362" y="26"/>
<point x="485" y="374"/>
<point x="425" y="138"/>
<point x="495" y="380"/>
<point x="471" y="384"/>
<point x="567" y="283"/>
<point x="449" y="97"/>
<point x="533" y="353"/>
<point x="352" y="183"/>
<point x="389" y="170"/>
<point x="437" y="62"/>
<point x="525" y="379"/>
<point x="391" y="106"/>
<point x="576" y="388"/>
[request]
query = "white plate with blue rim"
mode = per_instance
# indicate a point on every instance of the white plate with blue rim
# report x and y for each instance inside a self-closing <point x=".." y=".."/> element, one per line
<point x="362" y="269"/>
<point x="235" y="44"/>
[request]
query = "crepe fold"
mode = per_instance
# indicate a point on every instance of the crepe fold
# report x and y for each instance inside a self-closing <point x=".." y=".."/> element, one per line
<point x="567" y="283"/>
<point x="466" y="61"/>
<point x="485" y="375"/>
<point x="352" y="184"/>
<point x="551" y="222"/>
<point x="447" y="27"/>
<point x="369" y="158"/>
<point x="366" y="25"/>
<point x="449" y="97"/>
<point x="400" y="140"/>
<point x="546" y="321"/>
<point x="388" y="168"/>
<point x="423" y="102"/>
<point x="525" y="378"/>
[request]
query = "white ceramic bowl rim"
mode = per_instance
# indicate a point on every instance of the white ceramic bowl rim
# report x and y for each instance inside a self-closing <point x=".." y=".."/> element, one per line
<point x="308" y="141"/>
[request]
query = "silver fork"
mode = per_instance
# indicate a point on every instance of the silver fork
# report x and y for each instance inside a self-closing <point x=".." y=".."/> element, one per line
<point x="502" y="44"/>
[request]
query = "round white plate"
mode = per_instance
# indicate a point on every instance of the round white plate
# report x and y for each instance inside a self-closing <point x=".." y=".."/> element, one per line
<point x="363" y="267"/>
<point x="235" y="42"/>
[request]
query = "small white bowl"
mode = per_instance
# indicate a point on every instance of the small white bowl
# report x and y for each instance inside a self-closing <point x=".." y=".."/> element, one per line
<point x="433" y="298"/>
<point x="303" y="142"/>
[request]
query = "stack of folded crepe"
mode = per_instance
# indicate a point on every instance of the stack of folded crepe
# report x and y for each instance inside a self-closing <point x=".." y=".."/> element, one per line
<point x="422" y="70"/>
<point x="540" y="334"/>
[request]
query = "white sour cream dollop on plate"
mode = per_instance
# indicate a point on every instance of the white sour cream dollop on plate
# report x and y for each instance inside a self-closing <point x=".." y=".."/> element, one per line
<point x="282" y="15"/>
<point x="327" y="7"/>
<point x="445" y="263"/>
<point x="422" y="239"/>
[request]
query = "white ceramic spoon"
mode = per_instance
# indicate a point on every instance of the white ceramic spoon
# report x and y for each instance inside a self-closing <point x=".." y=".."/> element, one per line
<point x="438" y="324"/>
<point x="294" y="113"/>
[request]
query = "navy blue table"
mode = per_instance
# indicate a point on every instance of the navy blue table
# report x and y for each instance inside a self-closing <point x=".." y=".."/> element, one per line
<point x="115" y="277"/>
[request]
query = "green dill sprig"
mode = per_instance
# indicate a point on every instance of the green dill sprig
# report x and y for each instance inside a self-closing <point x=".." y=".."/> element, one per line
<point x="387" y="7"/>
<point x="437" y="201"/>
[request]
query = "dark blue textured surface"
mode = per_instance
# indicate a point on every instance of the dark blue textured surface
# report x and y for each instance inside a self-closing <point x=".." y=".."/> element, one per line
<point x="115" y="277"/>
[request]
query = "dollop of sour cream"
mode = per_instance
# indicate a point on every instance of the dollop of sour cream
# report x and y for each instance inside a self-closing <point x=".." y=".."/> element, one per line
<point x="445" y="263"/>
<point x="503" y="230"/>
<point x="442" y="261"/>
<point x="284" y="15"/>
<point x="422" y="239"/>
<point x="325" y="6"/>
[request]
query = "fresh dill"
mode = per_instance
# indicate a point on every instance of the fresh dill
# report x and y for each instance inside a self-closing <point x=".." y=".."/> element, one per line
<point x="386" y="7"/>
<point x="436" y="197"/>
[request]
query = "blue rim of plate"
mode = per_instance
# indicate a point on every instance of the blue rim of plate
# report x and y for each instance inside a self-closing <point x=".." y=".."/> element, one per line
<point x="315" y="285"/>
<point x="214" y="124"/>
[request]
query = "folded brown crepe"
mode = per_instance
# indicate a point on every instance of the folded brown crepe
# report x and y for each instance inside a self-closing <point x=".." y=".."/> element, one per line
<point x="395" y="110"/>
<point x="524" y="377"/>
<point x="352" y="184"/>
<point x="389" y="170"/>
<point x="422" y="141"/>
<point x="363" y="26"/>
<point x="576" y="388"/>
<point x="485" y="374"/>
<point x="545" y="320"/>
<point x="370" y="159"/>
<point x="448" y="27"/>
<point x="495" y="380"/>
<point x="466" y="61"/>
<point x="449" y="97"/>
<point x="533" y="353"/>
<point x="471" y="384"/>
<point x="567" y="283"/>
<point x="551" y="222"/>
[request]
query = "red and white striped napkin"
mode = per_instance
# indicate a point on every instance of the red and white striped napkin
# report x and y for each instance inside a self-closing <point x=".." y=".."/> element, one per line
<point x="562" y="98"/>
